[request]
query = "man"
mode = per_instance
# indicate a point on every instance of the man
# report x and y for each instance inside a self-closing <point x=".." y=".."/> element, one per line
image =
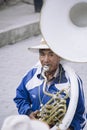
<point x="30" y="96"/>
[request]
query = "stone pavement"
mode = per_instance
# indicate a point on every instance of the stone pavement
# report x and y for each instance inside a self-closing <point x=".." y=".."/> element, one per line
<point x="15" y="61"/>
<point x="17" y="23"/>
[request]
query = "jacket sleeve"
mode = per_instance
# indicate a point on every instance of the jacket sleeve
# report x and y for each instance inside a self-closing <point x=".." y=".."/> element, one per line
<point x="22" y="98"/>
<point x="79" y="120"/>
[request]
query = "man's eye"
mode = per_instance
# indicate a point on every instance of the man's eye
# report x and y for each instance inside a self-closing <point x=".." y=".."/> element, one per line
<point x="41" y="54"/>
<point x="51" y="54"/>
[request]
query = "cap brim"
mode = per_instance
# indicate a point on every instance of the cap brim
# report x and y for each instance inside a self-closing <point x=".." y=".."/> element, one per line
<point x="39" y="47"/>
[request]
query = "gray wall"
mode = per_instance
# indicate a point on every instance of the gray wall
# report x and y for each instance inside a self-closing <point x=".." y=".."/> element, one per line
<point x="15" y="1"/>
<point x="9" y="1"/>
<point x="29" y="1"/>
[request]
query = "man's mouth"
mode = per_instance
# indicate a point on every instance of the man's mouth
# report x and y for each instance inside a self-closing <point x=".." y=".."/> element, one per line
<point x="46" y="68"/>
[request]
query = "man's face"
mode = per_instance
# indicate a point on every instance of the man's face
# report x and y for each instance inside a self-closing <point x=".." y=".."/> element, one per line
<point x="49" y="58"/>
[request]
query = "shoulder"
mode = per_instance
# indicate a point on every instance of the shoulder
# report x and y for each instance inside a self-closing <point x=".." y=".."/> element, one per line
<point x="31" y="72"/>
<point x="34" y="69"/>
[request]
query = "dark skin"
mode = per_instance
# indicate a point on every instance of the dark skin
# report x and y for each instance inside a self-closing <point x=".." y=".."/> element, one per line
<point x="49" y="58"/>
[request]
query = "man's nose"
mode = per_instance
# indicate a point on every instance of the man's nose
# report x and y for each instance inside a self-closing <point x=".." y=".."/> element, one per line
<point x="46" y="58"/>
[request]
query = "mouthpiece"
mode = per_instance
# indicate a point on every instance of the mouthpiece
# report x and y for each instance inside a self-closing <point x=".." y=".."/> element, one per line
<point x="44" y="69"/>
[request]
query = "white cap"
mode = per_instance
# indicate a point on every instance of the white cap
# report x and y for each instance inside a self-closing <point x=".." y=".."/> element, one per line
<point x="41" y="45"/>
<point x="23" y="122"/>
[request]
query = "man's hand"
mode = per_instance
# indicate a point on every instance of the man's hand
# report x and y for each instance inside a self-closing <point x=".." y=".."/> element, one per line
<point x="67" y="129"/>
<point x="33" y="115"/>
<point x="56" y="128"/>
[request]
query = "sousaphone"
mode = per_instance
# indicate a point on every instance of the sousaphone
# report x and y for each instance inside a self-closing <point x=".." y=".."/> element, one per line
<point x="63" y="25"/>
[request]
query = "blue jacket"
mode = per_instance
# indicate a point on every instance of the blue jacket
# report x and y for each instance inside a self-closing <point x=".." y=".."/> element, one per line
<point x="29" y="94"/>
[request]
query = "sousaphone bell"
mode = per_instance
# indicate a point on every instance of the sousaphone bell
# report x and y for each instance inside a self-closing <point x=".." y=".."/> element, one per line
<point x="63" y="24"/>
